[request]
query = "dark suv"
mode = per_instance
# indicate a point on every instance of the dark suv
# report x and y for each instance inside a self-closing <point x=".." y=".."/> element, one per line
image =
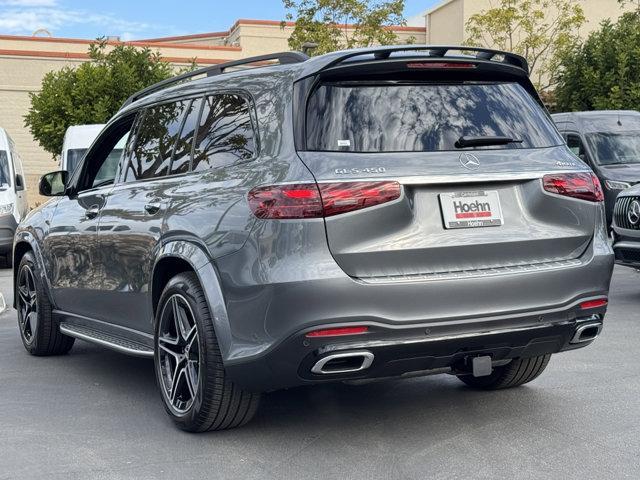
<point x="362" y="214"/>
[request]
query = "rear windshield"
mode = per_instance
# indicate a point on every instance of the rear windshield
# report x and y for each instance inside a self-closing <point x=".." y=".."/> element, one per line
<point x="615" y="148"/>
<point x="423" y="117"/>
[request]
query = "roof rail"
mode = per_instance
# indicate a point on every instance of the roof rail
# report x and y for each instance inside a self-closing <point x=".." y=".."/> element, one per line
<point x="437" y="51"/>
<point x="282" y="57"/>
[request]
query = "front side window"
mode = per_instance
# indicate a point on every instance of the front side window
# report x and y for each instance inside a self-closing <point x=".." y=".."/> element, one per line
<point x="99" y="165"/>
<point x="225" y="132"/>
<point x="109" y="168"/>
<point x="156" y="136"/>
<point x="5" y="175"/>
<point x="423" y="117"/>
<point x="610" y="148"/>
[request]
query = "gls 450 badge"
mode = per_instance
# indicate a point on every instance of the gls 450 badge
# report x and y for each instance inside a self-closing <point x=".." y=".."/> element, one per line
<point x="358" y="171"/>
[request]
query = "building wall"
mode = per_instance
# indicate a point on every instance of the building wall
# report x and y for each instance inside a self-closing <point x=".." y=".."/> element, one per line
<point x="446" y="22"/>
<point x="445" y="25"/>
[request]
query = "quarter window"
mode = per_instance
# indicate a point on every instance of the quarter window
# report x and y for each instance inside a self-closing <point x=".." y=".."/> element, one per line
<point x="225" y="133"/>
<point x="156" y="136"/>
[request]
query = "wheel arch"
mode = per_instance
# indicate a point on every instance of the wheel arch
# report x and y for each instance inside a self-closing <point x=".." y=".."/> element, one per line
<point x="181" y="256"/>
<point x="25" y="242"/>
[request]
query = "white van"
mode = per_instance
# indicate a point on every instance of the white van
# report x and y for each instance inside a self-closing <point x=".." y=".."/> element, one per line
<point x="77" y="141"/>
<point x="13" y="194"/>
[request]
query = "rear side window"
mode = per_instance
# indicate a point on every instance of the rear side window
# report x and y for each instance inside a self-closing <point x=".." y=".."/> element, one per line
<point x="423" y="117"/>
<point x="182" y="151"/>
<point x="156" y="136"/>
<point x="225" y="132"/>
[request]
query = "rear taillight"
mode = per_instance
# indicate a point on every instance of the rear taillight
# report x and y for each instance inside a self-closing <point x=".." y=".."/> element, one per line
<point x="584" y="186"/>
<point x="317" y="201"/>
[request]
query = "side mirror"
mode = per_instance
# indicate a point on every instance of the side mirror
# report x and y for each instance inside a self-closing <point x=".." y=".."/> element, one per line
<point x="19" y="183"/>
<point x="54" y="184"/>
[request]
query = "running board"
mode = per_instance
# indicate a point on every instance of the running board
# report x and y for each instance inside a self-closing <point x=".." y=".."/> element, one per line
<point x="113" y="342"/>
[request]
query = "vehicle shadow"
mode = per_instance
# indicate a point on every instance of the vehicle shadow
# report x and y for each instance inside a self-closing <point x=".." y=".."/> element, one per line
<point x="439" y="402"/>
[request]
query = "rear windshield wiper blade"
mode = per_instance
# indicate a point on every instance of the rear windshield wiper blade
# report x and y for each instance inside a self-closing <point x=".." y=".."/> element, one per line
<point x="464" y="142"/>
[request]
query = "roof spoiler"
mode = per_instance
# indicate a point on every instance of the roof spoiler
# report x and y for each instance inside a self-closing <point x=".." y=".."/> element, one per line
<point x="283" y="58"/>
<point x="436" y="51"/>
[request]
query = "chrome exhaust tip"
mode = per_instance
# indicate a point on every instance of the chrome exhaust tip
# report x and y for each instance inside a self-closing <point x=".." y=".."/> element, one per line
<point x="587" y="332"/>
<point x="347" y="362"/>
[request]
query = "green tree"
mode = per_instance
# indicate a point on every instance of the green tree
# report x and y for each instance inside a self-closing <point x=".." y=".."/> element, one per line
<point x="634" y="3"/>
<point x="604" y="71"/>
<point x="92" y="92"/>
<point x="324" y="22"/>
<point x="539" y="30"/>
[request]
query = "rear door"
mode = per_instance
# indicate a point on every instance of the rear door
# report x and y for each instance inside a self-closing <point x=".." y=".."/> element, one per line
<point x="461" y="209"/>
<point x="132" y="221"/>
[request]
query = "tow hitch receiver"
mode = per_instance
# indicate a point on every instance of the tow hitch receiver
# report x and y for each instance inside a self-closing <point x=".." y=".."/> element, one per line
<point x="481" y="366"/>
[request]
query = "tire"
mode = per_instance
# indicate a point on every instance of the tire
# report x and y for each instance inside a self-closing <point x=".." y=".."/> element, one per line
<point x="195" y="390"/>
<point x="38" y="329"/>
<point x="514" y="374"/>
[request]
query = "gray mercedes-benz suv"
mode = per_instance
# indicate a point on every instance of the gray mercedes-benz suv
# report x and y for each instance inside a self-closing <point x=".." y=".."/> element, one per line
<point x="362" y="214"/>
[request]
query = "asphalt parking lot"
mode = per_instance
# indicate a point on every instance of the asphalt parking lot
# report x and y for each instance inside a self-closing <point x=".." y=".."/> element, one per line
<point x="96" y="414"/>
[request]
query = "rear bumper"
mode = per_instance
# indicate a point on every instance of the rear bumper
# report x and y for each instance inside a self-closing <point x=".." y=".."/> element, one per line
<point x="414" y="350"/>
<point x="275" y="292"/>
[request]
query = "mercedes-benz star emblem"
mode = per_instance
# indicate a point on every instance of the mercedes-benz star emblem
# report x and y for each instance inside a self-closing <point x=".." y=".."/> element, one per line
<point x="469" y="161"/>
<point x="634" y="213"/>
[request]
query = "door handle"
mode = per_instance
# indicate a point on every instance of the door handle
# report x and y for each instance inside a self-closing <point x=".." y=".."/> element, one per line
<point x="92" y="211"/>
<point x="152" y="208"/>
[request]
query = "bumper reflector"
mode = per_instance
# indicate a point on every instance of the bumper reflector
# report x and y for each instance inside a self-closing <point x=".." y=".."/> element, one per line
<point x="337" y="332"/>
<point x="601" y="302"/>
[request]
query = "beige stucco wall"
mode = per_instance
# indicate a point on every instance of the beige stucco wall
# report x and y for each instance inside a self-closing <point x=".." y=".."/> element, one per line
<point x="445" y="26"/>
<point x="447" y="20"/>
<point x="256" y="39"/>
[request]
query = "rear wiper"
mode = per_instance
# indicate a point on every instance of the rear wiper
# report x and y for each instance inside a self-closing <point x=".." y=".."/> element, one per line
<point x="464" y="142"/>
